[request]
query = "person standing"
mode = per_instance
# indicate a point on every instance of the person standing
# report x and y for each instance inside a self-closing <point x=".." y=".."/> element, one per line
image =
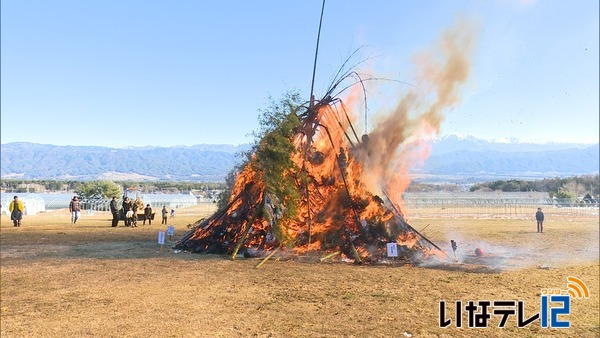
<point x="127" y="211"/>
<point x="147" y="215"/>
<point x="134" y="208"/>
<point x="539" y="217"/>
<point x="74" y="209"/>
<point x="165" y="213"/>
<point x="115" y="212"/>
<point x="16" y="211"/>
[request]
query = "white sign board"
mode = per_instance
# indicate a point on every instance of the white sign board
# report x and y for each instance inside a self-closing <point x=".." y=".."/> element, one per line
<point x="161" y="237"/>
<point x="171" y="230"/>
<point x="392" y="250"/>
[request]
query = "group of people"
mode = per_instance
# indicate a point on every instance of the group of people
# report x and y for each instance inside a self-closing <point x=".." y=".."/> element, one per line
<point x="17" y="209"/>
<point x="130" y="212"/>
<point x="130" y="209"/>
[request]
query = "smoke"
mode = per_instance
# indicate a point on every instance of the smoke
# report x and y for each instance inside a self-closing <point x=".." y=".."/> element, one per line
<point x="397" y="137"/>
<point x="517" y="254"/>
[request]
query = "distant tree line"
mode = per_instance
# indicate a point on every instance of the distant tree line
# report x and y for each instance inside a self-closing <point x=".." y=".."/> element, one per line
<point x="21" y="186"/>
<point x="107" y="188"/>
<point x="172" y="186"/>
<point x="427" y="187"/>
<point x="570" y="187"/>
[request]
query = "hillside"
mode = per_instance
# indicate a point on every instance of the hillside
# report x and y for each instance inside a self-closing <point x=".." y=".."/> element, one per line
<point x="452" y="159"/>
<point x="472" y="160"/>
<point x="42" y="161"/>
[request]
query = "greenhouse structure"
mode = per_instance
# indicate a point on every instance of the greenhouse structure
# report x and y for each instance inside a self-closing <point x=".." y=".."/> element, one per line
<point x="33" y="203"/>
<point x="171" y="201"/>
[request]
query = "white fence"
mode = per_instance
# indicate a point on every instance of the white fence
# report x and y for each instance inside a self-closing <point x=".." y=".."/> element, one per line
<point x="497" y="205"/>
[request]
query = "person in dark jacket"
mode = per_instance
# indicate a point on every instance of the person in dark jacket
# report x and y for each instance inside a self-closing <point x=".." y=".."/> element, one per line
<point x="74" y="209"/>
<point x="114" y="209"/>
<point x="134" y="208"/>
<point x="539" y="217"/>
<point x="147" y="215"/>
<point x="165" y="213"/>
<point x="127" y="212"/>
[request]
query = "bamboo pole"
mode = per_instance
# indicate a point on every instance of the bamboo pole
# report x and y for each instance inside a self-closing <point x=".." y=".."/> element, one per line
<point x="307" y="192"/>
<point x="354" y="252"/>
<point x="329" y="256"/>
<point x="399" y="215"/>
<point x="248" y="228"/>
<point x="425" y="227"/>
<point x="266" y="258"/>
<point x="312" y="84"/>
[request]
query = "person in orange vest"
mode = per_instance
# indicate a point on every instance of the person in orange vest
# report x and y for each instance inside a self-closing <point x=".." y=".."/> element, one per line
<point x="16" y="209"/>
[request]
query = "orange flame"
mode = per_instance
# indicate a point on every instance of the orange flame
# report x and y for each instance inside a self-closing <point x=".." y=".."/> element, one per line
<point x="352" y="198"/>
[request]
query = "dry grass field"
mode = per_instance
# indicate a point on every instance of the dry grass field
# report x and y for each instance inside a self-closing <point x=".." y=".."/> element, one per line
<point x="91" y="280"/>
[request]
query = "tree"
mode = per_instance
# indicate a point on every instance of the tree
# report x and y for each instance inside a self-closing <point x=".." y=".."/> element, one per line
<point x="271" y="154"/>
<point x="274" y="150"/>
<point x="105" y="189"/>
<point x="511" y="185"/>
<point x="564" y="194"/>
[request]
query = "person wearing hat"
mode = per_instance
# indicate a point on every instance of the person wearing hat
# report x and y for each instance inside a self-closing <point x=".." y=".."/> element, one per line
<point x="147" y="215"/>
<point x="16" y="211"/>
<point x="74" y="209"/>
<point x="539" y="217"/>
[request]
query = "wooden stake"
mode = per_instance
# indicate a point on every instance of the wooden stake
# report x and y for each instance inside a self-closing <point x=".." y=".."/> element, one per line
<point x="247" y="231"/>
<point x="266" y="258"/>
<point x="354" y="252"/>
<point x="329" y="256"/>
<point x="399" y="216"/>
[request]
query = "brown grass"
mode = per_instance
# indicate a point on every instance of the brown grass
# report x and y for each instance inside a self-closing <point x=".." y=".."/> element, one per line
<point x="63" y="280"/>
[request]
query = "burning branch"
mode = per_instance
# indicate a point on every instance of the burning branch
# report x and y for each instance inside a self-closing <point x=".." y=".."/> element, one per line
<point x="322" y="181"/>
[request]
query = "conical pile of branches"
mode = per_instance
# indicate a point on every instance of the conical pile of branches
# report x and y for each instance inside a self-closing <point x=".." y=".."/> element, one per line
<point x="300" y="188"/>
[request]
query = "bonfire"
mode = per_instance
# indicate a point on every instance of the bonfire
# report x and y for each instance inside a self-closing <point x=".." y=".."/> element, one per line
<point x="335" y="212"/>
<point x="311" y="187"/>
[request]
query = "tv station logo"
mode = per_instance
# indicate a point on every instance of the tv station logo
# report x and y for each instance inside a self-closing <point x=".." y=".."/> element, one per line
<point x="554" y="302"/>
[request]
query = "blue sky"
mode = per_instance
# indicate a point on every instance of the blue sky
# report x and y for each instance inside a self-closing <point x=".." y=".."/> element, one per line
<point x="162" y="73"/>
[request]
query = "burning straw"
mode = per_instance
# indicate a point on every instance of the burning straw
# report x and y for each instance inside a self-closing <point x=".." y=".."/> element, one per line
<point x="313" y="185"/>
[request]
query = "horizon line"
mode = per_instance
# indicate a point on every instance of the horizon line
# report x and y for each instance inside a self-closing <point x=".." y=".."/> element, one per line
<point x="461" y="137"/>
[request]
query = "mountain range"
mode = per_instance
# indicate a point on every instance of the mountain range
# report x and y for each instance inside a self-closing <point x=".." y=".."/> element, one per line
<point x="452" y="159"/>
